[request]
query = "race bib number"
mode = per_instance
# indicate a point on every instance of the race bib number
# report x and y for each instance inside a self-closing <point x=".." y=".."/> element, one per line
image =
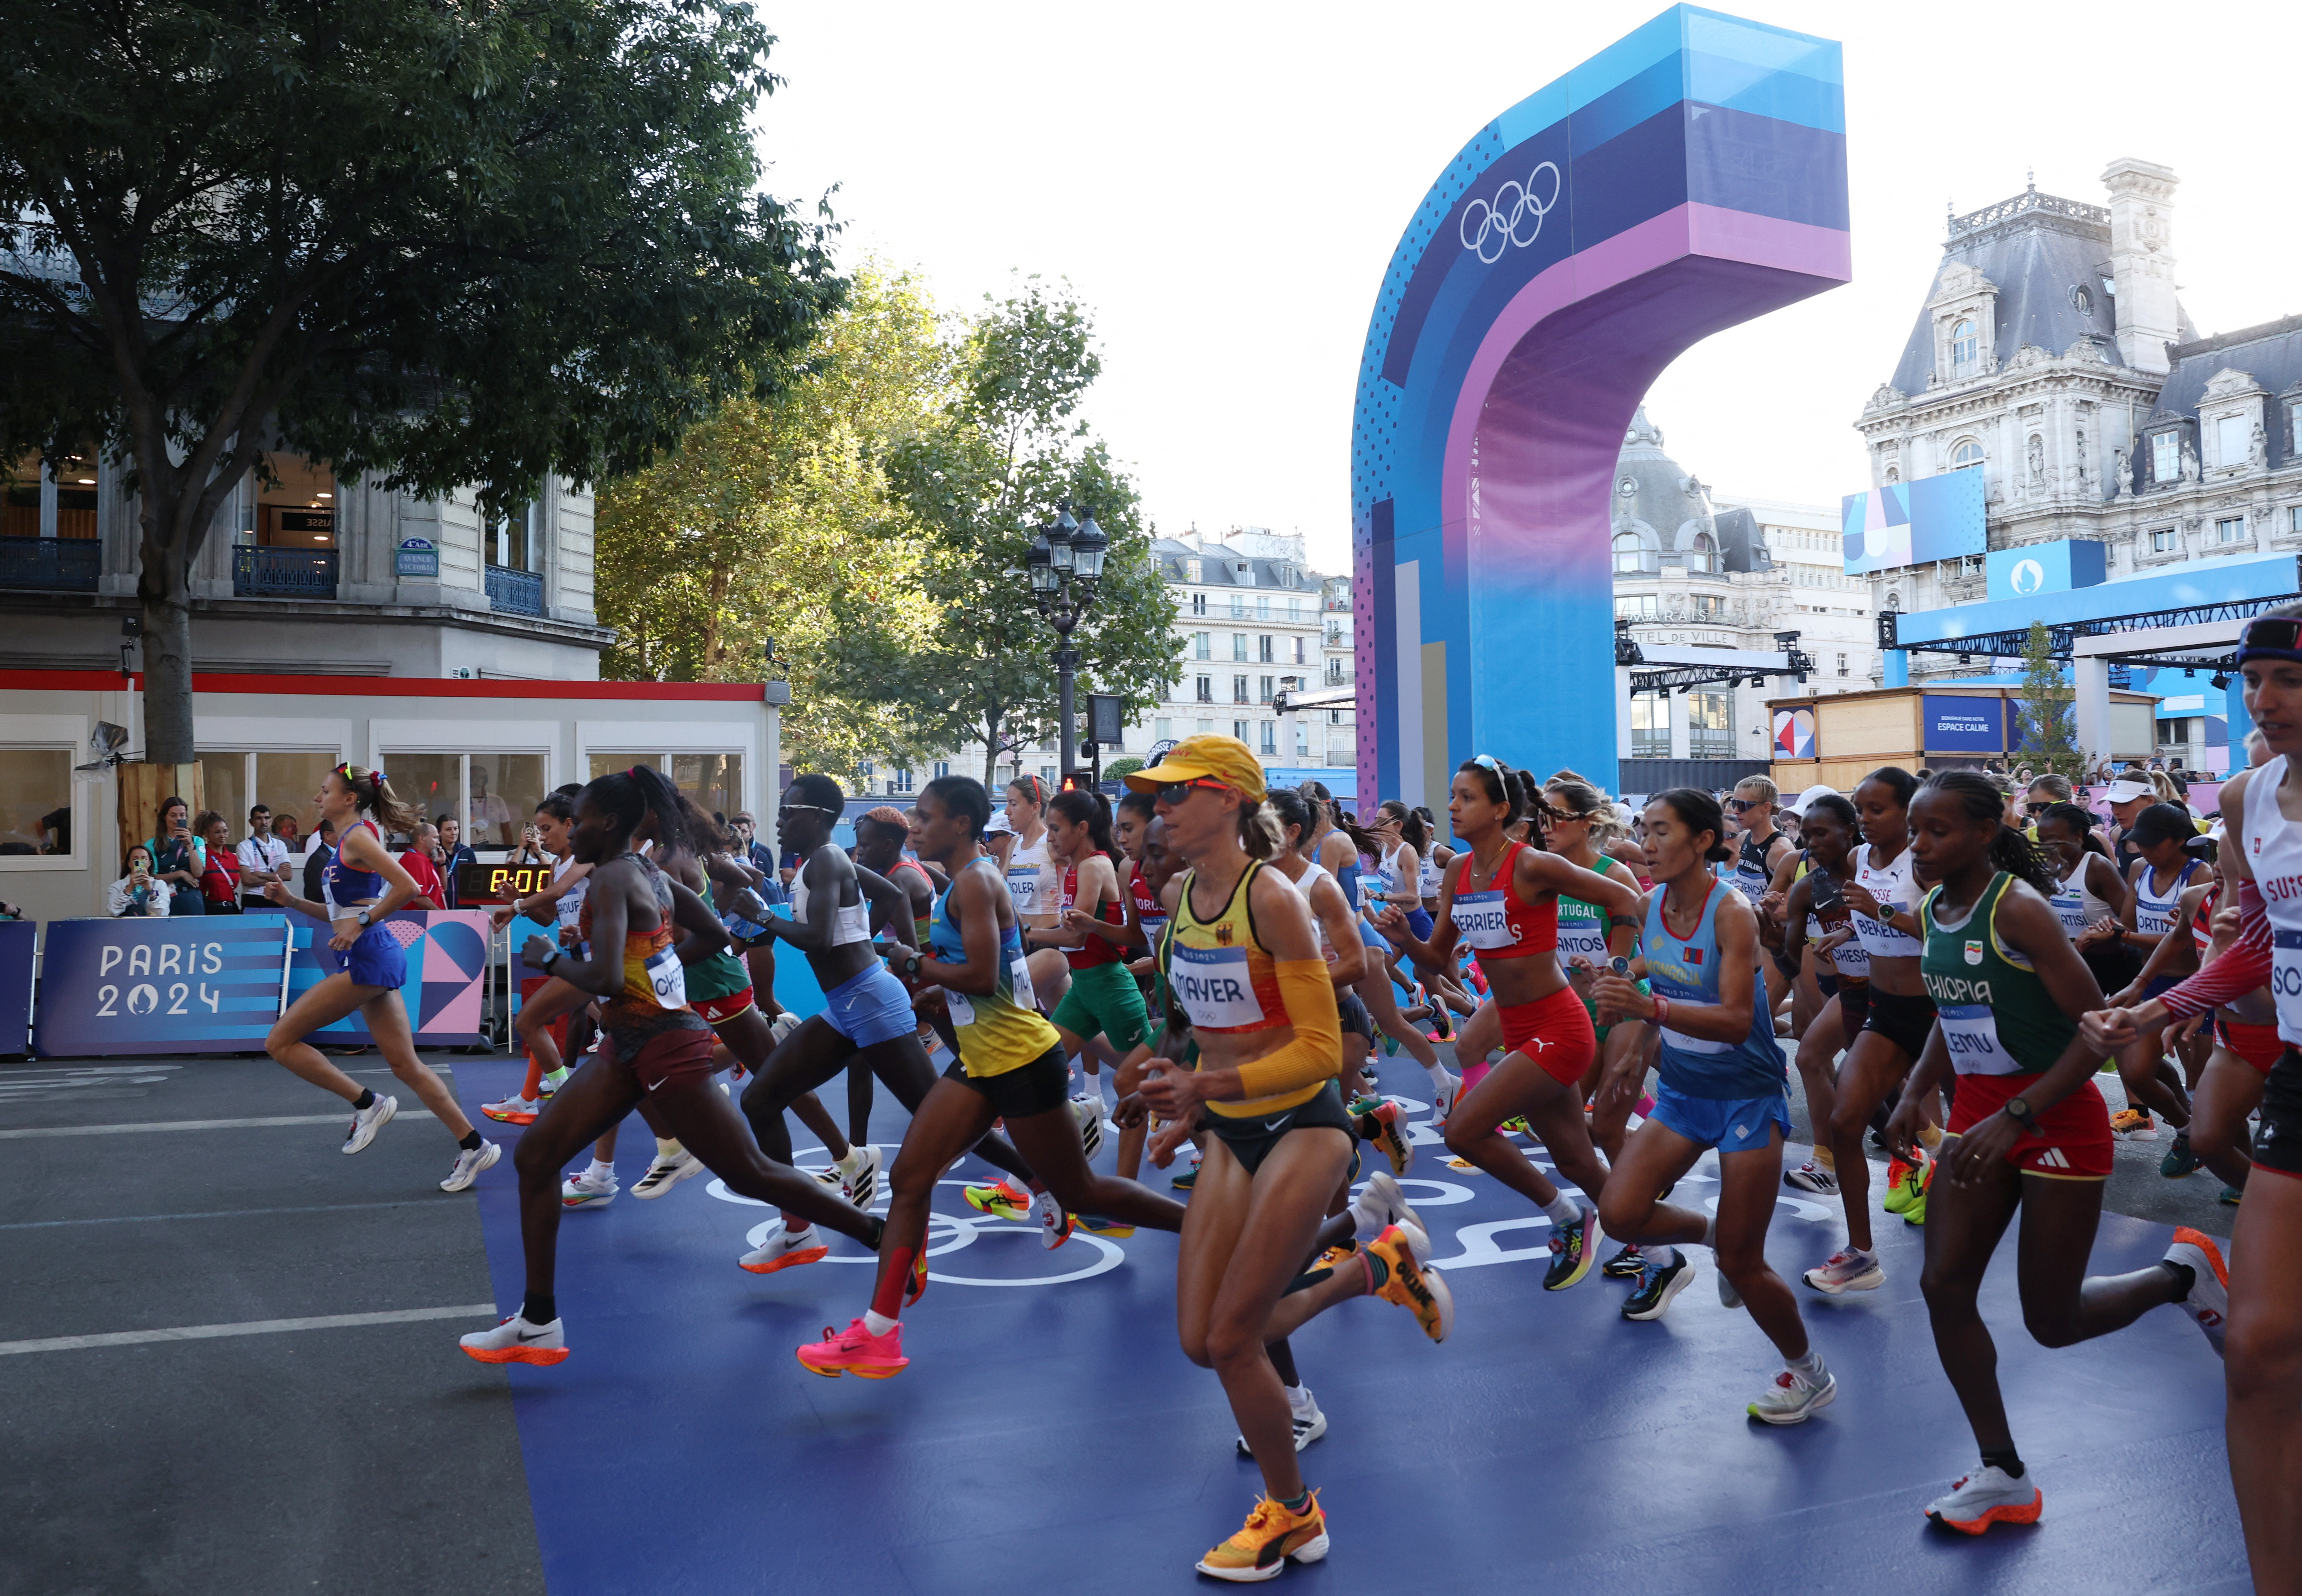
<point x="2286" y="981"/>
<point x="1023" y="886"/>
<point x="1971" y="1036"/>
<point x="1019" y="976"/>
<point x="667" y="977"/>
<point x="1213" y="984"/>
<point x="2070" y="908"/>
<point x="1483" y="919"/>
<point x="1849" y="958"/>
<point x="962" y="1008"/>
<point x="1581" y="934"/>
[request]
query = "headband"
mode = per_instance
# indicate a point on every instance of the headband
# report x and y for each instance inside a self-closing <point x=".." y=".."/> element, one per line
<point x="2271" y="637"/>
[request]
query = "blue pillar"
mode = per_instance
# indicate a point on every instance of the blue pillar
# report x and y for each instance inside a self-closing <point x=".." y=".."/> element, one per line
<point x="1898" y="667"/>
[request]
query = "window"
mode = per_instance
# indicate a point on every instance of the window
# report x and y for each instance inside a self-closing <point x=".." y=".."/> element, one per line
<point x="1239" y="645"/>
<point x="1162" y="729"/>
<point x="1334" y="718"/>
<point x="516" y="538"/>
<point x="1294" y="609"/>
<point x="1710" y="731"/>
<point x="1637" y="607"/>
<point x="36" y="802"/>
<point x="1704" y="554"/>
<point x="1263" y="606"/>
<point x="1842" y="665"/>
<point x="1203" y="645"/>
<point x="1263" y="647"/>
<point x="1207" y="694"/>
<point x="1048" y="774"/>
<point x="1965" y="349"/>
<point x="1627" y="557"/>
<point x="1205" y="725"/>
<point x="1198" y="603"/>
<point x="1270" y="743"/>
<point x="2162" y="540"/>
<point x="2230" y="529"/>
<point x="1649" y="727"/>
<point x="900" y="781"/>
<point x="942" y="769"/>
<point x="1193" y="571"/>
<point x="1239" y="729"/>
<point x="1263" y="690"/>
<point x="1967" y="454"/>
<point x="2229" y="440"/>
<point x="1239" y="606"/>
<point x="1296" y="650"/>
<point x="1238" y="691"/>
<point x="1336" y="676"/>
<point x="2081" y="301"/>
<point x="1710" y="607"/>
<point x="2294" y="518"/>
<point x="2165" y="457"/>
<point x="1302" y="739"/>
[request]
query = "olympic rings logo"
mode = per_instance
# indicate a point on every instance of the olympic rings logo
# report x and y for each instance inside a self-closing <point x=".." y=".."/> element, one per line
<point x="1514" y="217"/>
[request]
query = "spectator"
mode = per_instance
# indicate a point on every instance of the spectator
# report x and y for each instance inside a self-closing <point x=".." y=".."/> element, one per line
<point x="140" y="892"/>
<point x="220" y="883"/>
<point x="530" y="850"/>
<point x="285" y="828"/>
<point x="324" y="850"/>
<point x="761" y="858"/>
<point x="422" y="863"/>
<point x="490" y="814"/>
<point x="179" y="857"/>
<point x="455" y="853"/>
<point x="56" y="830"/>
<point x="262" y="859"/>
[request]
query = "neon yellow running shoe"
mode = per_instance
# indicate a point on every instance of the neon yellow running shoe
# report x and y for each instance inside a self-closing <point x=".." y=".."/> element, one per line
<point x="1000" y="1200"/>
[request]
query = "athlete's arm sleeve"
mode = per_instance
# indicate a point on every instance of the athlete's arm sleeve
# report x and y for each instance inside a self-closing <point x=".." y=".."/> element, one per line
<point x="1317" y="1050"/>
<point x="2238" y="972"/>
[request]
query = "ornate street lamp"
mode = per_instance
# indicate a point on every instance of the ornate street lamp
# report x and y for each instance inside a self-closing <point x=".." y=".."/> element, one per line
<point x="1065" y="565"/>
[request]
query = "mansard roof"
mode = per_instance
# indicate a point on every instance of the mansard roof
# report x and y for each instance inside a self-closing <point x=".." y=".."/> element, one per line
<point x="2270" y="354"/>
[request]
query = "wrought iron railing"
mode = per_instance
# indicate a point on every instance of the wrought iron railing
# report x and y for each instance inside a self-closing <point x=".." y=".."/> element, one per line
<point x="514" y="591"/>
<point x="55" y="565"/>
<point x="262" y="573"/>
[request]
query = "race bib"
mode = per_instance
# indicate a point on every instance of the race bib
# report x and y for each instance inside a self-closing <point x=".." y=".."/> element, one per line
<point x="1971" y="1036"/>
<point x="2070" y="908"/>
<point x="1849" y="958"/>
<point x="668" y="979"/>
<point x="2286" y="981"/>
<point x="962" y="1010"/>
<point x="1483" y="919"/>
<point x="1213" y="987"/>
<point x="1682" y="1043"/>
<point x="1580" y="933"/>
<point x="1023" y="886"/>
<point x="1019" y="976"/>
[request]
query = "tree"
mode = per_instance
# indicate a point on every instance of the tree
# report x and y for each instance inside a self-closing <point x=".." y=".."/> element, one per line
<point x="436" y="245"/>
<point x="765" y="513"/>
<point x="2049" y="710"/>
<point x="1120" y="768"/>
<point x="1009" y="447"/>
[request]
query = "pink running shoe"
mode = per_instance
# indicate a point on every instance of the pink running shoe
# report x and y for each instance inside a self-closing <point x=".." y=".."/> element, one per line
<point x="855" y="1350"/>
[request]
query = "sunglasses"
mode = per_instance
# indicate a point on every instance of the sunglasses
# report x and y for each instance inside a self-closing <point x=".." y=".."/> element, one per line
<point x="1174" y="793"/>
<point x="785" y="808"/>
<point x="1739" y="804"/>
<point x="1488" y="762"/>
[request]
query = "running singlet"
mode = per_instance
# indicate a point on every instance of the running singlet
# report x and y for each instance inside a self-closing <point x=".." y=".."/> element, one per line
<point x="2074" y="903"/>
<point x="1149" y="911"/>
<point x="1751" y="872"/>
<point x="1313" y="874"/>
<point x="1221" y="975"/>
<point x="1685" y="969"/>
<point x="1427" y="877"/>
<point x="2273" y="847"/>
<point x="2202" y="929"/>
<point x="2154" y="915"/>
<point x="653" y="996"/>
<point x="920" y="922"/>
<point x="1996" y="1014"/>
<point x="850" y="922"/>
<point x="1892" y="889"/>
<point x="1094" y="950"/>
<point x="1828" y="913"/>
<point x="1496" y="924"/>
<point x="1002" y="1029"/>
<point x="1582" y="929"/>
<point x="346" y="890"/>
<point x="1027" y="879"/>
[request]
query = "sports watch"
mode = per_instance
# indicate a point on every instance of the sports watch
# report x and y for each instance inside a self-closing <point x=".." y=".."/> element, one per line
<point x="2018" y="1109"/>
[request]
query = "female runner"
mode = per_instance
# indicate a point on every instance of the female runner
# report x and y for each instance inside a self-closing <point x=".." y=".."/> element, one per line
<point x="2027" y="1130"/>
<point x="1885" y="899"/>
<point x="360" y="885"/>
<point x="2152" y="918"/>
<point x="653" y="1047"/>
<point x="1374" y="989"/>
<point x="2247" y="1047"/>
<point x="1339" y="938"/>
<point x="1243" y="962"/>
<point x="1501" y="897"/>
<point x="1721" y="1087"/>
<point x="2090" y="892"/>
<point x="1815" y="909"/>
<point x="1103" y="999"/>
<point x="883" y="842"/>
<point x="1573" y="829"/>
<point x="555" y="999"/>
<point x="1032" y="880"/>
<point x="1137" y="939"/>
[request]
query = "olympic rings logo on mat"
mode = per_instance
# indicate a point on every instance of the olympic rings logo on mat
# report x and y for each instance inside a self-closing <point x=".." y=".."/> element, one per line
<point x="1514" y="217"/>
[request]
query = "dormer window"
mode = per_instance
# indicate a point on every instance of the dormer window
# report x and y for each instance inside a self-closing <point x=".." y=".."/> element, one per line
<point x="1703" y="556"/>
<point x="1965" y="348"/>
<point x="2165" y="457"/>
<point x="1968" y="454"/>
<point x="1191" y="570"/>
<point x="1626" y="552"/>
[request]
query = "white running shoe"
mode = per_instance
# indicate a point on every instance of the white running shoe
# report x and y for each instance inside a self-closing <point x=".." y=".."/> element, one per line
<point x="1728" y="1297"/>
<point x="1987" y="1496"/>
<point x="1089" y="1114"/>
<point x="469" y="1165"/>
<point x="783" y="1025"/>
<point x="1812" y="1177"/>
<point x="784" y="1249"/>
<point x="1849" y="1269"/>
<point x="2208" y="1302"/>
<point x="367" y="1122"/>
<point x="585" y="1191"/>
<point x="1445" y="1106"/>
<point x="1054" y="1224"/>
<point x="517" y="1341"/>
<point x="1383" y="1204"/>
<point x="1310" y="1423"/>
<point x="513" y="1110"/>
<point x="862" y="1188"/>
<point x="664" y="1173"/>
<point x="1793" y="1398"/>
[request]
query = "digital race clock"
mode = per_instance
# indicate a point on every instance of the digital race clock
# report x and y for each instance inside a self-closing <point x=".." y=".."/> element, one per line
<point x="499" y="883"/>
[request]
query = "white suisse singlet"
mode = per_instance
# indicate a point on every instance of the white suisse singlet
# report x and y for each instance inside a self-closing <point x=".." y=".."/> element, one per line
<point x="2274" y="849"/>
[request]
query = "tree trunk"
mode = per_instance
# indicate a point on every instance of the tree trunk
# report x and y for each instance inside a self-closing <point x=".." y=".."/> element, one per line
<point x="168" y="679"/>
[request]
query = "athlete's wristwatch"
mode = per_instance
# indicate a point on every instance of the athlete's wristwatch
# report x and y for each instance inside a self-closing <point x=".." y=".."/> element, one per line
<point x="362" y="917"/>
<point x="551" y="958"/>
<point x="2018" y="1109"/>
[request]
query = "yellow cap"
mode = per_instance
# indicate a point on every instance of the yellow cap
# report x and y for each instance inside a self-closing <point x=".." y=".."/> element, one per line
<point x="1210" y="757"/>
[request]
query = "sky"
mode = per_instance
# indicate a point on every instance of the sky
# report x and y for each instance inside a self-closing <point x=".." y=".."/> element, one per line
<point x="1223" y="187"/>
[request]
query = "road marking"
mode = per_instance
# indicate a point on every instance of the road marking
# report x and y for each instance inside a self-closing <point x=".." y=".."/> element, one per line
<point x="292" y="1119"/>
<point x="253" y="1327"/>
<point x="130" y="1219"/>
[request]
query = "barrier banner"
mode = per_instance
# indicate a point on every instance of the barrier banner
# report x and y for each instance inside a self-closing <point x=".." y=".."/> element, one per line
<point x="447" y="972"/>
<point x="19" y="939"/>
<point x="146" y="988"/>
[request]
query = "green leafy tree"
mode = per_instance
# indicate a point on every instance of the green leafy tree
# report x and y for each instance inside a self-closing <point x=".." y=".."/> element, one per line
<point x="429" y="243"/>
<point x="1119" y="769"/>
<point x="2049" y="710"/>
<point x="1009" y="447"/>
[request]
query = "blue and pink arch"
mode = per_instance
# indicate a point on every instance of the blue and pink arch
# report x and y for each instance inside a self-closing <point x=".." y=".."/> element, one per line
<point x="1691" y="176"/>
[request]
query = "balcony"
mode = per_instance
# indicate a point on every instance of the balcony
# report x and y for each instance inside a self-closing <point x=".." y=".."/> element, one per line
<point x="258" y="572"/>
<point x="515" y="592"/>
<point x="51" y="564"/>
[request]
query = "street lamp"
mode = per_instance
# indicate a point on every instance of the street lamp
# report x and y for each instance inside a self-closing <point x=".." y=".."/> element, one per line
<point x="1064" y="563"/>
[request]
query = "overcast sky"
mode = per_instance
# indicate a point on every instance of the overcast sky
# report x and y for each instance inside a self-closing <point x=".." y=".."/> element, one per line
<point x="1224" y="185"/>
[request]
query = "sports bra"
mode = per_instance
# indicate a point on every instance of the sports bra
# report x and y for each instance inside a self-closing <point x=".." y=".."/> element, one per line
<point x="345" y="889"/>
<point x="1495" y="923"/>
<point x="1217" y="968"/>
<point x="1093" y="950"/>
<point x="850" y="922"/>
<point x="2154" y="915"/>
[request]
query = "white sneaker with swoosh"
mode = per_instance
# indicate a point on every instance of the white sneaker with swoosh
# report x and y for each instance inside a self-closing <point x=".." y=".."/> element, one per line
<point x="517" y="1342"/>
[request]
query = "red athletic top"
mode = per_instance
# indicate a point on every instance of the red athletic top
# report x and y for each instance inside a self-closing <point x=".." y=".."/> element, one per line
<point x="2202" y="931"/>
<point x="1496" y="922"/>
<point x="1096" y="950"/>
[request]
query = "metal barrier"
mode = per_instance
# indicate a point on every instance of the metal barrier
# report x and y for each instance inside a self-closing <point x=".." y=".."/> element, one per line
<point x="56" y="565"/>
<point x="262" y="573"/>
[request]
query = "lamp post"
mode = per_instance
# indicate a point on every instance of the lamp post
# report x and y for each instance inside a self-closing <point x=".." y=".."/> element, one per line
<point x="1065" y="565"/>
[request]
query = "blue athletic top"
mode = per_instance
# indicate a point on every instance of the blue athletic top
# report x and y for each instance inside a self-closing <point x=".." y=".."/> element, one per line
<point x="343" y="888"/>
<point x="1685" y="969"/>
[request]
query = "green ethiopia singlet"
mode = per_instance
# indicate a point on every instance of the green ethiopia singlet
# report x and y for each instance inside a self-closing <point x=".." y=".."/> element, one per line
<point x="1996" y="1015"/>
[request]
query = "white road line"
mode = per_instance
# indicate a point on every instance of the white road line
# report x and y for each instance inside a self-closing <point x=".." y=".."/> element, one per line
<point x="293" y="1119"/>
<point x="254" y="1327"/>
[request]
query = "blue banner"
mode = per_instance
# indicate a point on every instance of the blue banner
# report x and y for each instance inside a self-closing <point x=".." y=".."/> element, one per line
<point x="1957" y="725"/>
<point x="18" y="944"/>
<point x="447" y="954"/>
<point x="210" y="983"/>
<point x="2035" y="568"/>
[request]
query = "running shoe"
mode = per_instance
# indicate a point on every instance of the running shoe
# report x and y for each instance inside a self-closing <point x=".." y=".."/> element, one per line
<point x="1627" y="1265"/>
<point x="861" y="1185"/>
<point x="1310" y="1423"/>
<point x="517" y="1341"/>
<point x="999" y="1199"/>
<point x="1793" y="1398"/>
<point x="1849" y="1269"/>
<point x="2135" y="1123"/>
<point x="468" y="1164"/>
<point x="585" y="1191"/>
<point x="1095" y="1224"/>
<point x="1441" y="1024"/>
<point x="1903" y="1180"/>
<point x="1728" y="1297"/>
<point x="1656" y="1287"/>
<point x="1987" y="1496"/>
<point x="855" y="1350"/>
<point x="785" y="1250"/>
<point x="1812" y="1177"/>
<point x="1271" y="1539"/>
<point x="1333" y="1256"/>
<point x="1187" y="1179"/>
<point x="1390" y="1135"/>
<point x="1446" y="1104"/>
<point x="1915" y="1211"/>
<point x="2180" y="1161"/>
<point x="1383" y="1204"/>
<point x="367" y="1122"/>
<point x="1422" y="1291"/>
<point x="553" y="1080"/>
<point x="2208" y="1302"/>
<point x="666" y="1173"/>
<point x="1054" y="1224"/>
<point x="2232" y="1196"/>
<point x="513" y="1110"/>
<point x="1516" y="1122"/>
<point x="1573" y="1248"/>
<point x="1089" y="1114"/>
<point x="916" y="1287"/>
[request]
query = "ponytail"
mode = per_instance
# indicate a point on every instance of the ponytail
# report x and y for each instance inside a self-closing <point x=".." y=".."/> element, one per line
<point x="1292" y="808"/>
<point x="2020" y="857"/>
<point x="371" y="791"/>
<point x="1698" y="810"/>
<point x="1092" y="811"/>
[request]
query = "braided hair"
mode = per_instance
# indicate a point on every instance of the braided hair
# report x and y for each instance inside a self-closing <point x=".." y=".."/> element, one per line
<point x="2080" y="824"/>
<point x="644" y="804"/>
<point x="2010" y="850"/>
